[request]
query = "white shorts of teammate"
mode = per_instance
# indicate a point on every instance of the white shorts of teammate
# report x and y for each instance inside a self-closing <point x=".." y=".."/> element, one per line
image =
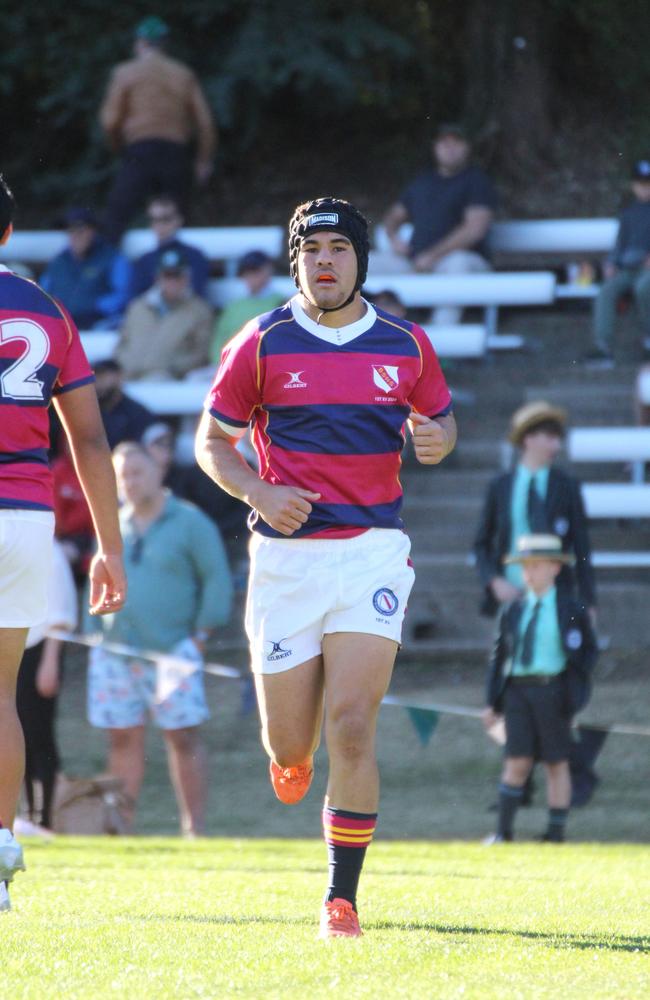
<point x="25" y="560"/>
<point x="302" y="589"/>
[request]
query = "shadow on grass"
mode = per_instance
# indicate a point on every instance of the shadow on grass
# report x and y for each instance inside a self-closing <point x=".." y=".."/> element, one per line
<point x="584" y="942"/>
<point x="577" y="941"/>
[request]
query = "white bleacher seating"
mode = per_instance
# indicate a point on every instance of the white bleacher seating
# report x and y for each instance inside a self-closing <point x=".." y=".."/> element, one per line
<point x="464" y="340"/>
<point x="99" y="345"/>
<point x="34" y="246"/>
<point x="611" y="444"/>
<point x="181" y="399"/>
<point x="616" y="500"/>
<point x="219" y="243"/>
<point x="426" y="290"/>
<point x="518" y="237"/>
<point x="643" y="386"/>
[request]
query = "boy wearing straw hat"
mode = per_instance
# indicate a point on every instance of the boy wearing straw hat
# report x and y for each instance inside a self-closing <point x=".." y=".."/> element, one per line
<point x="539" y="677"/>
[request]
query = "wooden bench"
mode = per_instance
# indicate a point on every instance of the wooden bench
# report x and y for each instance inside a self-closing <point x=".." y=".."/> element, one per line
<point x="611" y="444"/>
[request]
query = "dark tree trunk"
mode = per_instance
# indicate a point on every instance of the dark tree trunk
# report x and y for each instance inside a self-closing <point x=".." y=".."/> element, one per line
<point x="507" y="91"/>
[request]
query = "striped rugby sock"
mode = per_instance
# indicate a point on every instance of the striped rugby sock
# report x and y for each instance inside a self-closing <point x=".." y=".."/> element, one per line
<point x="347" y="835"/>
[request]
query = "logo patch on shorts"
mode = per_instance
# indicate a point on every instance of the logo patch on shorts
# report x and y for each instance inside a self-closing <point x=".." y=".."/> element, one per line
<point x="278" y="653"/>
<point x="385" y="602"/>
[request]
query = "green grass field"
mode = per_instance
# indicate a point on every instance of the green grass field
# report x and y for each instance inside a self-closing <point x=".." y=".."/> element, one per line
<point x="152" y="918"/>
<point x="235" y="915"/>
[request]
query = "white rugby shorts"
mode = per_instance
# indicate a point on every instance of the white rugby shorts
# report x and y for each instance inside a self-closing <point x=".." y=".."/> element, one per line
<point x="25" y="563"/>
<point x="302" y="589"/>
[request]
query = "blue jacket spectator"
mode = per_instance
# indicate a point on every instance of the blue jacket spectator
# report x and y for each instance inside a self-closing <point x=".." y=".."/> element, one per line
<point x="165" y="220"/>
<point x="90" y="277"/>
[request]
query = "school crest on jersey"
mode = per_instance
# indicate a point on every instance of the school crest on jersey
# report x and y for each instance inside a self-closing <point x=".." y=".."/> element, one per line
<point x="385" y="377"/>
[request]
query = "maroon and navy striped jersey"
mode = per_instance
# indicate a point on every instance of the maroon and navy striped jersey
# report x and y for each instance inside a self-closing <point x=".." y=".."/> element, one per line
<point x="328" y="409"/>
<point x="40" y="356"/>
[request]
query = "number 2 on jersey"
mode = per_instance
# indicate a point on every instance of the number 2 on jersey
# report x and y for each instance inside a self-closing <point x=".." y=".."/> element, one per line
<point x="19" y="381"/>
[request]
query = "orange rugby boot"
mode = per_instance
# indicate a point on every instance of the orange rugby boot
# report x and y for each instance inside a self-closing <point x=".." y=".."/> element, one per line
<point x="291" y="784"/>
<point x="339" y="919"/>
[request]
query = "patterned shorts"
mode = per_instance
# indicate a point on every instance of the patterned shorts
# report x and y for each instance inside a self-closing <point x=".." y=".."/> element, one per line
<point x="123" y="691"/>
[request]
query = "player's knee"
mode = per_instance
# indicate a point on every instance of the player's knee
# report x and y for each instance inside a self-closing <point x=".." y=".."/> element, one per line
<point x="350" y="732"/>
<point x="286" y="748"/>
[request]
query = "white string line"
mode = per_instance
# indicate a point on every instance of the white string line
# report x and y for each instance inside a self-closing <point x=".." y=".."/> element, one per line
<point x="222" y="670"/>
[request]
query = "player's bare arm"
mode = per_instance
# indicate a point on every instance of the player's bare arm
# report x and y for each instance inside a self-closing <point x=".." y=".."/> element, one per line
<point x="284" y="508"/>
<point x="433" y="439"/>
<point x="82" y="422"/>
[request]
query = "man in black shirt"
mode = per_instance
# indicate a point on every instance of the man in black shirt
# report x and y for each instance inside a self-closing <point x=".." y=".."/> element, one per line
<point x="451" y="207"/>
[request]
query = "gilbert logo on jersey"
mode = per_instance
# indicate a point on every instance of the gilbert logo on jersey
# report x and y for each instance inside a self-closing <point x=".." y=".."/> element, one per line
<point x="295" y="381"/>
<point x="385" y="377"/>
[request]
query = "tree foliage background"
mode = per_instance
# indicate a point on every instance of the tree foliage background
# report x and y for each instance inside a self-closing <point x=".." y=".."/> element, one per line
<point x="342" y="94"/>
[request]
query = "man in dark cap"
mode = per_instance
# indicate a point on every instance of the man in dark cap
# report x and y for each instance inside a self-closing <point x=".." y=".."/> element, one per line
<point x="626" y="271"/>
<point x="90" y="277"/>
<point x="328" y="384"/>
<point x="451" y="206"/>
<point x="166" y="331"/>
<point x="156" y="115"/>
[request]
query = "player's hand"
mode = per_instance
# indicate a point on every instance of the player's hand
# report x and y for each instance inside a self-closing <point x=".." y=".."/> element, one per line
<point x="503" y="590"/>
<point x="399" y="246"/>
<point x="285" y="508"/>
<point x="424" y="261"/>
<point x="107" y="584"/>
<point x="430" y="439"/>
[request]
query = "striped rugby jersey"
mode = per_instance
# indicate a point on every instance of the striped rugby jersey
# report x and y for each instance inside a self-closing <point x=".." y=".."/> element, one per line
<point x="40" y="356"/>
<point x="328" y="409"/>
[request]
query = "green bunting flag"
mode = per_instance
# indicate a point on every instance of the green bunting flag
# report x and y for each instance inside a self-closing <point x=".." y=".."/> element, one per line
<point x="424" y="722"/>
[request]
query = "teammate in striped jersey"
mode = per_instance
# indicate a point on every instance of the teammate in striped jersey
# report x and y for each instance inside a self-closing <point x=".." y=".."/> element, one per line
<point x="328" y="385"/>
<point x="41" y="361"/>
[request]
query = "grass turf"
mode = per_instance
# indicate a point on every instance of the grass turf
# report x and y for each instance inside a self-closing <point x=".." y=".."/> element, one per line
<point x="149" y="918"/>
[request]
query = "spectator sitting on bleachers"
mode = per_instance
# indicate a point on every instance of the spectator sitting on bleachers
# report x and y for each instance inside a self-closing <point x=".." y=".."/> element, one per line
<point x="89" y="277"/>
<point x="627" y="270"/>
<point x="166" y="331"/>
<point x="124" y="418"/>
<point x="451" y="207"/>
<point x="165" y="219"/>
<point x="255" y="270"/>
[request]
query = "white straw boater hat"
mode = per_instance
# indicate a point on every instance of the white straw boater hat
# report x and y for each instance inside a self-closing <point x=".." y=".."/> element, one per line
<point x="540" y="547"/>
